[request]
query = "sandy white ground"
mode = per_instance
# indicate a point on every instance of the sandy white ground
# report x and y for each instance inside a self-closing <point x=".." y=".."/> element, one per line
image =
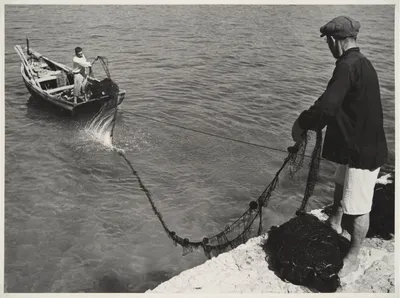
<point x="244" y="270"/>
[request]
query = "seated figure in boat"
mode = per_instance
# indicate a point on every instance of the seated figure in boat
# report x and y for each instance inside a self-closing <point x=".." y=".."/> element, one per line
<point x="80" y="76"/>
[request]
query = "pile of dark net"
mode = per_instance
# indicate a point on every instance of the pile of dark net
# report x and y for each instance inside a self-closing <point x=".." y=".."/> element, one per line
<point x="304" y="250"/>
<point x="308" y="252"/>
<point x="105" y="86"/>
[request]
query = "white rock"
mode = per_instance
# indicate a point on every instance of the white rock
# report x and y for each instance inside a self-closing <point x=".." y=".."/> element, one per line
<point x="245" y="270"/>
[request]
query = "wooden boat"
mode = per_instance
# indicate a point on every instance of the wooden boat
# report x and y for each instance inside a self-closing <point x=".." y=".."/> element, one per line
<point x="53" y="82"/>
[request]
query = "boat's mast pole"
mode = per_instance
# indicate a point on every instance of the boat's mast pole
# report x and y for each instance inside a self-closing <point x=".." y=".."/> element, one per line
<point x="27" y="46"/>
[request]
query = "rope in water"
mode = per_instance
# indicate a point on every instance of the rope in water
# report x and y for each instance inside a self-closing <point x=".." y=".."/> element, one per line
<point x="212" y="134"/>
<point x="104" y="63"/>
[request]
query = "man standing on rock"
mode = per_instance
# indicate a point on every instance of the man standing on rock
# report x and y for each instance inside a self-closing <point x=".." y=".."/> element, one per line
<point x="355" y="139"/>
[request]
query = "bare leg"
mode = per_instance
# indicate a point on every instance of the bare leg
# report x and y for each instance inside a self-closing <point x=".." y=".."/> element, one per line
<point x="84" y="89"/>
<point x="78" y="80"/>
<point x="336" y="217"/>
<point x="360" y="226"/>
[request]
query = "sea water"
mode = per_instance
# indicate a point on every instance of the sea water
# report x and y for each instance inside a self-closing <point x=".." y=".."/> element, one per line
<point x="76" y="219"/>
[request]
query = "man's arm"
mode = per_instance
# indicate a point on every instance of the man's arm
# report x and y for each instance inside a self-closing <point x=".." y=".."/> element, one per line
<point x="82" y="62"/>
<point x="329" y="103"/>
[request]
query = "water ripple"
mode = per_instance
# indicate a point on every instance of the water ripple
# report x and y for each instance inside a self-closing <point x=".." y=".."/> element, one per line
<point x="75" y="217"/>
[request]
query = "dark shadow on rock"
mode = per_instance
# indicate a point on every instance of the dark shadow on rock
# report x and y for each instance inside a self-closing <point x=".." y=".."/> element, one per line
<point x="383" y="211"/>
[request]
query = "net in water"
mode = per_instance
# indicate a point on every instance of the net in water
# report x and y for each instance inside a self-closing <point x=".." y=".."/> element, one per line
<point x="304" y="250"/>
<point x="103" y="122"/>
<point x="240" y="230"/>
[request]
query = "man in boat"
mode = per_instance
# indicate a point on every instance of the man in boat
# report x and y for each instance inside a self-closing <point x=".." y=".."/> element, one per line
<point x="351" y="109"/>
<point x="80" y="76"/>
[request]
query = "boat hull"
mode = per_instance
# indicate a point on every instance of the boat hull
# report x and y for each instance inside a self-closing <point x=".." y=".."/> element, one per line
<point x="55" y="86"/>
<point x="71" y="107"/>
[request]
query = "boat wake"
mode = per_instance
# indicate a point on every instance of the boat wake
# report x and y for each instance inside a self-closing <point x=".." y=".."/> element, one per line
<point x="101" y="126"/>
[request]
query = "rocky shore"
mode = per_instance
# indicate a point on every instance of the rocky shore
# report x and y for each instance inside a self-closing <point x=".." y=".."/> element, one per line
<point x="244" y="270"/>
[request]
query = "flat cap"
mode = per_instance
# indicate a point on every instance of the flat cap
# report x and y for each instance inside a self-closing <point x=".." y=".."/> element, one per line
<point x="341" y="27"/>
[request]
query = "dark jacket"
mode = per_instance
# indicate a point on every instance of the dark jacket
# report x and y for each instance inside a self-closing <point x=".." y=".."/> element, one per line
<point x="351" y="109"/>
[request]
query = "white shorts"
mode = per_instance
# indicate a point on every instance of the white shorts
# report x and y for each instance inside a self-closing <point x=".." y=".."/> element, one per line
<point x="358" y="188"/>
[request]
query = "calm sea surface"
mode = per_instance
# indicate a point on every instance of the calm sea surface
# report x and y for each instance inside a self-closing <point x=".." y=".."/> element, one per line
<point x="75" y="218"/>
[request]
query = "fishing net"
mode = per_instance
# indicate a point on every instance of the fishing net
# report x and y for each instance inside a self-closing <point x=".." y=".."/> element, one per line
<point x="307" y="251"/>
<point x="104" y="63"/>
<point x="240" y="230"/>
<point x="104" y="120"/>
<point x="233" y="235"/>
<point x="304" y="250"/>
